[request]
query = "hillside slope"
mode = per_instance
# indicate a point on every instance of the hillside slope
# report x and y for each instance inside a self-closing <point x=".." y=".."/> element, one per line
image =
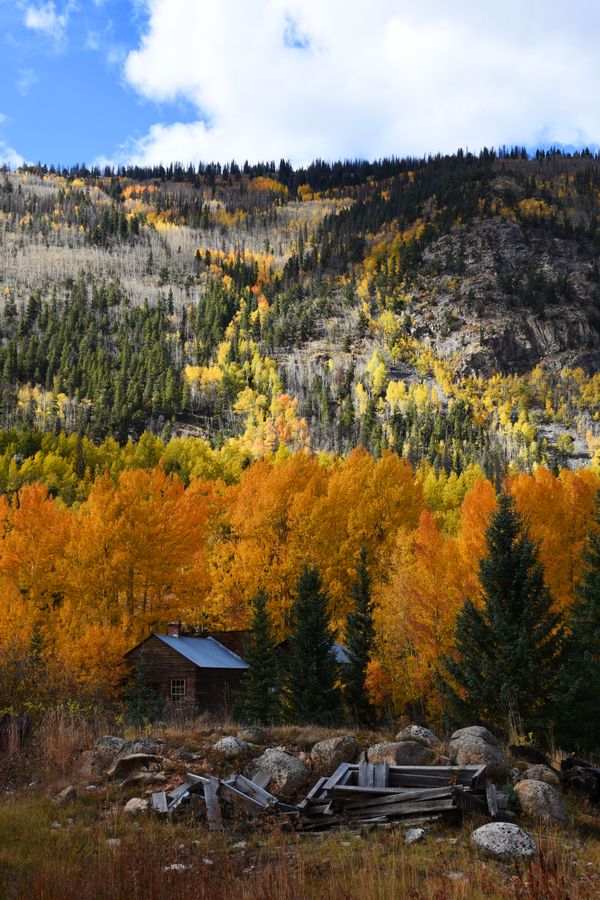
<point x="448" y="308"/>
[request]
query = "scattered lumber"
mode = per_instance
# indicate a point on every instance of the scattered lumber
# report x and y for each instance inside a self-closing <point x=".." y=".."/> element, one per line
<point x="367" y="794"/>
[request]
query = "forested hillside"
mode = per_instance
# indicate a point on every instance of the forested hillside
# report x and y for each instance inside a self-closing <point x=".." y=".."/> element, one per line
<point x="448" y="308"/>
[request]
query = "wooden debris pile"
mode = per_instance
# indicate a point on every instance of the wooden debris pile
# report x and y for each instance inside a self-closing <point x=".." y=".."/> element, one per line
<point x="367" y="794"/>
<point x="208" y="793"/>
<point x="376" y="794"/>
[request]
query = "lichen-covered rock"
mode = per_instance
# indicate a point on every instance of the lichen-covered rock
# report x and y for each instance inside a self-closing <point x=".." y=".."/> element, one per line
<point x="418" y="733"/>
<point x="135" y="805"/>
<point x="541" y="801"/>
<point x="232" y="747"/>
<point x="109" y="745"/>
<point x="541" y="773"/>
<point x="254" y="734"/>
<point x="400" y="753"/>
<point x="504" y="840"/>
<point x="288" y="773"/>
<point x="476" y="746"/>
<point x="329" y="754"/>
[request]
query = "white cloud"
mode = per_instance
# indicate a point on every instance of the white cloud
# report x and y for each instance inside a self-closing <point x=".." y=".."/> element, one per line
<point x="338" y="78"/>
<point x="25" y="80"/>
<point x="48" y="21"/>
<point x="8" y="156"/>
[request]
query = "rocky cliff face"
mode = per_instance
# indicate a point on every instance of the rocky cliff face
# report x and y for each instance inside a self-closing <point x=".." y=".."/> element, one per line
<point x="503" y="298"/>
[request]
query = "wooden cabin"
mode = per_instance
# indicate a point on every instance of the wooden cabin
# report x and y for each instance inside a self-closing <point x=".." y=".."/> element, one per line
<point x="199" y="669"/>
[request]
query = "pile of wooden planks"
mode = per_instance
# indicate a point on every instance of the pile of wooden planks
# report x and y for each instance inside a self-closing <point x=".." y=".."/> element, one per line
<point x="375" y="794"/>
<point x="207" y="793"/>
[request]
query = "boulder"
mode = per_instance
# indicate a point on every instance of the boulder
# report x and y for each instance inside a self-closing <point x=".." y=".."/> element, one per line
<point x="418" y="733"/>
<point x="135" y="805"/>
<point x="328" y="755"/>
<point x="541" y="801"/>
<point x="108" y="745"/>
<point x="476" y="746"/>
<point x="67" y="795"/>
<point x="504" y="840"/>
<point x="288" y="773"/>
<point x="253" y="734"/>
<point x="124" y="766"/>
<point x="527" y="753"/>
<point x="475" y="731"/>
<point x="231" y="747"/>
<point x="400" y="753"/>
<point x="541" y="773"/>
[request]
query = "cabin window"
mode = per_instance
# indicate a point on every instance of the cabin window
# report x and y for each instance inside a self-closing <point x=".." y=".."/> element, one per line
<point x="177" y="689"/>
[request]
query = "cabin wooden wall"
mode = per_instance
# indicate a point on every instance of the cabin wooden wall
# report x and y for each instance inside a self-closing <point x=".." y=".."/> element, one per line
<point x="212" y="690"/>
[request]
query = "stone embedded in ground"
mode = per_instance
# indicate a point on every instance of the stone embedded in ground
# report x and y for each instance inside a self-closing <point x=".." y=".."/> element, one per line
<point x="135" y="805"/>
<point x="253" y="734"/>
<point x="232" y="747"/>
<point x="414" y="835"/>
<point x="541" y="773"/>
<point x="288" y="773"/>
<point x="541" y="801"/>
<point x="400" y="753"/>
<point x="67" y="795"/>
<point x="504" y="840"/>
<point x="418" y="733"/>
<point x="124" y="766"/>
<point x="476" y="746"/>
<point x="329" y="754"/>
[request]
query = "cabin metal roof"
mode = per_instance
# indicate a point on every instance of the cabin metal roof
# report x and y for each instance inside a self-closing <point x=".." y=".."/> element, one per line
<point x="341" y="654"/>
<point x="204" y="652"/>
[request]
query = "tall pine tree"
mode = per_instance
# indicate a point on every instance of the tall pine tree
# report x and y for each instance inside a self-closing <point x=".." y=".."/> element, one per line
<point x="578" y="694"/>
<point x="312" y="693"/>
<point x="259" y="701"/>
<point x="360" y="633"/>
<point x="507" y="646"/>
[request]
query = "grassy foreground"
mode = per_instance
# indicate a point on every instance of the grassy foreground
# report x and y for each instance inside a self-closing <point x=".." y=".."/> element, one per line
<point x="90" y="850"/>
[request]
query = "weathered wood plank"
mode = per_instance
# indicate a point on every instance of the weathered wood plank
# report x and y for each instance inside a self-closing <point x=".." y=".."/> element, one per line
<point x="381" y="775"/>
<point x="213" y="807"/>
<point x="417" y="796"/>
<point x="159" y="802"/>
<point x="492" y="799"/>
<point x="339" y="773"/>
<point x="262" y="779"/>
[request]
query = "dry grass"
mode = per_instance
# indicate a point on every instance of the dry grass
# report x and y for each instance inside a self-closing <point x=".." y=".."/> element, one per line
<point x="89" y="849"/>
<point x="87" y="853"/>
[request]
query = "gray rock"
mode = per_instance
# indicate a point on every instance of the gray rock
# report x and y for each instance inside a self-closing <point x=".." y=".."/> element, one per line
<point x="475" y="731"/>
<point x="476" y="746"/>
<point x="67" y="795"/>
<point x="135" y="805"/>
<point x="254" y="734"/>
<point x="418" y="733"/>
<point x="329" y="754"/>
<point x="109" y="745"/>
<point x="541" y="773"/>
<point x="543" y="802"/>
<point x="400" y="753"/>
<point x="231" y="747"/>
<point x="124" y="766"/>
<point x="414" y="835"/>
<point x="504" y="840"/>
<point x="288" y="773"/>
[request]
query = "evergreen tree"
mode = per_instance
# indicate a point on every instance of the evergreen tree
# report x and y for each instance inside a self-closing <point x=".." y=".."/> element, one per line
<point x="360" y="632"/>
<point x="143" y="704"/>
<point x="578" y="694"/>
<point x="259" y="701"/>
<point x="507" y="647"/>
<point x="312" y="692"/>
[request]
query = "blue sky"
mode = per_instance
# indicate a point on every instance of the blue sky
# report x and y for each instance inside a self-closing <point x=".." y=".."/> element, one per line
<point x="189" y="80"/>
<point x="63" y="96"/>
